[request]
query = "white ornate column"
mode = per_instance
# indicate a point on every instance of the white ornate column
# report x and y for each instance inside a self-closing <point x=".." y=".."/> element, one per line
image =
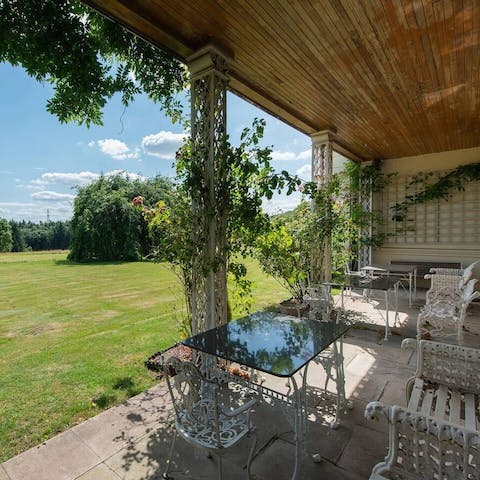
<point x="366" y="202"/>
<point x="208" y="68"/>
<point x="322" y="166"/>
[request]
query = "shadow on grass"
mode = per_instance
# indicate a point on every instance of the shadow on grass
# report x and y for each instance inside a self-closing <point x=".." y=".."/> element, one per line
<point x="128" y="385"/>
<point x="103" y="400"/>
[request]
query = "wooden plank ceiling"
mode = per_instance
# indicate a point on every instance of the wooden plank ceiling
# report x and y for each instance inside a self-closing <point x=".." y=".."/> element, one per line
<point x="392" y="77"/>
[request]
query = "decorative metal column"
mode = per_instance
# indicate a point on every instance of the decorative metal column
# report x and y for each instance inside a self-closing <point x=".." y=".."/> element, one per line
<point x="208" y="69"/>
<point x="322" y="165"/>
<point x="366" y="202"/>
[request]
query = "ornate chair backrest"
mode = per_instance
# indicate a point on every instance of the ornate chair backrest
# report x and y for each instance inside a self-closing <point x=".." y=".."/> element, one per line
<point x="320" y="301"/>
<point x="447" y="271"/>
<point x="194" y="397"/>
<point x="449" y="285"/>
<point x="451" y="365"/>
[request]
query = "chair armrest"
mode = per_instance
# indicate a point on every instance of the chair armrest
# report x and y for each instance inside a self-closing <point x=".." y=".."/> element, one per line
<point x="374" y="410"/>
<point x="409" y="344"/>
<point x="243" y="408"/>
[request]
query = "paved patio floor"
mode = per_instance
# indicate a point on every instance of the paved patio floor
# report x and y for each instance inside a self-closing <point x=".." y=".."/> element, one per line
<point x="131" y="441"/>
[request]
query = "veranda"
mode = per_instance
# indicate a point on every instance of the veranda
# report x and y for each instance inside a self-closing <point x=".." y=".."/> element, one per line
<point x="396" y="81"/>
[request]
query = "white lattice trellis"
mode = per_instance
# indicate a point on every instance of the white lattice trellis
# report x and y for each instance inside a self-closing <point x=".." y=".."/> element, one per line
<point x="209" y="81"/>
<point x="322" y="166"/>
<point x="437" y="222"/>
<point x="365" y="200"/>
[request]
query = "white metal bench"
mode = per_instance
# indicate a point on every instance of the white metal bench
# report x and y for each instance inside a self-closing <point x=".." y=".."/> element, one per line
<point x="436" y="436"/>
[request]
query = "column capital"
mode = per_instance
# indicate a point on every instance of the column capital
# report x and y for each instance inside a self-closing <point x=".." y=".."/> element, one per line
<point x="323" y="136"/>
<point x="207" y="59"/>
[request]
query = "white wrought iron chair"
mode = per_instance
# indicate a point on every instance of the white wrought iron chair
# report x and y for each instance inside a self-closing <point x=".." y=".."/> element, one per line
<point x="446" y="311"/>
<point x="465" y="273"/>
<point x="437" y="435"/>
<point x="203" y="413"/>
<point x="421" y="447"/>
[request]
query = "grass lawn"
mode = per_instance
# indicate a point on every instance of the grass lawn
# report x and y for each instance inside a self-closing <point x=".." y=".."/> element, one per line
<point x="73" y="338"/>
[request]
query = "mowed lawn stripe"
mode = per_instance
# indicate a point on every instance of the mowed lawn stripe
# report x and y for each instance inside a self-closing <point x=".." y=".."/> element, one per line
<point x="73" y="338"/>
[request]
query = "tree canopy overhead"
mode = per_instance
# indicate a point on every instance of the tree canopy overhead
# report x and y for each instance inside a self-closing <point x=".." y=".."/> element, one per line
<point x="86" y="57"/>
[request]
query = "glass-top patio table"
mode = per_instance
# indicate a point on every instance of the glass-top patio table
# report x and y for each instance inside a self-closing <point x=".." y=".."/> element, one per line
<point x="279" y="345"/>
<point x="383" y="283"/>
<point x="407" y="272"/>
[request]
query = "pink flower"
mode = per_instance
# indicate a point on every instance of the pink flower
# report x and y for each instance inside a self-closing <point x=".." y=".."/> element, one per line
<point x="138" y="200"/>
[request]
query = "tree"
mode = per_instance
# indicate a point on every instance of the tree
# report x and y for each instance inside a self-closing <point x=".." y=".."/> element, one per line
<point x="6" y="241"/>
<point x="18" y="237"/>
<point x="86" y="58"/>
<point x="106" y="225"/>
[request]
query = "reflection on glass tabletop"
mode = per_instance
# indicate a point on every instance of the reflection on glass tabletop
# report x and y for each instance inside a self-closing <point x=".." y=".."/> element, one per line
<point x="269" y="342"/>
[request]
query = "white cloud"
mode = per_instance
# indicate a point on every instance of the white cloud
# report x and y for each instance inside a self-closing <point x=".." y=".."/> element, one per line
<point x="124" y="173"/>
<point x="39" y="182"/>
<point x="163" y="144"/>
<point x="305" y="171"/>
<point x="282" y="156"/>
<point x="290" y="156"/>
<point x="47" y="195"/>
<point x="282" y="203"/>
<point x="72" y="179"/>
<point x="115" y="148"/>
<point x="305" y="155"/>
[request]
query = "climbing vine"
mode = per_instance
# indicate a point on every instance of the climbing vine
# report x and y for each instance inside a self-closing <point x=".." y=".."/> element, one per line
<point x="440" y="189"/>
<point x="356" y="178"/>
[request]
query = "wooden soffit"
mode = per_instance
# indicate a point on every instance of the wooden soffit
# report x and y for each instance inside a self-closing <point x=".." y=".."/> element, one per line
<point x="393" y="78"/>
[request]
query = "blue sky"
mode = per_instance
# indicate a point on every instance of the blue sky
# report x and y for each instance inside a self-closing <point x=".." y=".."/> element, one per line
<point x="42" y="161"/>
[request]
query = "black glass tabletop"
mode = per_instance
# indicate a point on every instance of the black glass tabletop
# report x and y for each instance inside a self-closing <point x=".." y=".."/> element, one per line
<point x="383" y="282"/>
<point x="270" y="342"/>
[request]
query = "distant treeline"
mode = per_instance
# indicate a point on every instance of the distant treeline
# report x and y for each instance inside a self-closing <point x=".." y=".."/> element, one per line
<point x="40" y="236"/>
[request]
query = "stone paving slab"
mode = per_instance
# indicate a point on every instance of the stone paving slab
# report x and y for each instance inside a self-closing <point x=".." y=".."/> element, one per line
<point x="365" y="449"/>
<point x="3" y="474"/>
<point x="114" y="429"/>
<point x="146" y="459"/>
<point x="277" y="464"/>
<point x="64" y="457"/>
<point x="100" y="472"/>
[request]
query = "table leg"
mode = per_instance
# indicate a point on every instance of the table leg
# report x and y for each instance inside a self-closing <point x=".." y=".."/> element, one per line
<point x="395" y="290"/>
<point x="410" y="289"/>
<point x="340" y="382"/>
<point x="387" y="326"/>
<point x="298" y="421"/>
<point x="415" y="284"/>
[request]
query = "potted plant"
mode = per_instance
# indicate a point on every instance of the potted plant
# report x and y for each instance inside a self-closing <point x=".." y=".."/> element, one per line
<point x="278" y="255"/>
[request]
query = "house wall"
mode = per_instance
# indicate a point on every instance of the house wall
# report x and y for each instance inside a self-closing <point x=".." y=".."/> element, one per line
<point x="459" y="220"/>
